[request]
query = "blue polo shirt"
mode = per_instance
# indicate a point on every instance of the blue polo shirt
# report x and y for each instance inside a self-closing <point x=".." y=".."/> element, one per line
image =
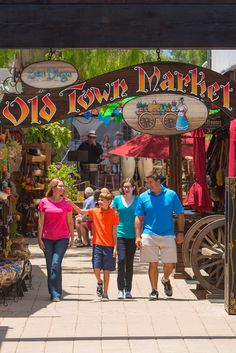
<point x="158" y="211"/>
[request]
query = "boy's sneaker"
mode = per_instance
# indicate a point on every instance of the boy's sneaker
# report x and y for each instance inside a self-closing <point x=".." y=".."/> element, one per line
<point x="120" y="294"/>
<point x="153" y="295"/>
<point x="105" y="297"/>
<point x="100" y="289"/>
<point x="167" y="287"/>
<point x="56" y="299"/>
<point x="128" y="295"/>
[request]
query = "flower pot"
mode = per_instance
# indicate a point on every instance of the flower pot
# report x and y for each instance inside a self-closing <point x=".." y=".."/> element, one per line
<point x="4" y="168"/>
<point x="28" y="187"/>
<point x="41" y="186"/>
<point x="19" y="240"/>
<point x="37" y="172"/>
<point x="7" y="190"/>
<point x="2" y="137"/>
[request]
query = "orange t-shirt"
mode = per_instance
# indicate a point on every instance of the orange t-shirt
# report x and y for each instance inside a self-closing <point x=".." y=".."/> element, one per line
<point x="103" y="222"/>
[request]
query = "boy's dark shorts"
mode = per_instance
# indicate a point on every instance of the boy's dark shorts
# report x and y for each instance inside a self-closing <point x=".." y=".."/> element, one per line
<point x="103" y="258"/>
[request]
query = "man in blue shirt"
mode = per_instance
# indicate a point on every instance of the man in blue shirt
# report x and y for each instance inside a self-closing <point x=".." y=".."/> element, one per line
<point x="155" y="231"/>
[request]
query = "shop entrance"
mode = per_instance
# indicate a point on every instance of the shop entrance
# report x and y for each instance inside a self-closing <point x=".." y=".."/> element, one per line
<point x="107" y="29"/>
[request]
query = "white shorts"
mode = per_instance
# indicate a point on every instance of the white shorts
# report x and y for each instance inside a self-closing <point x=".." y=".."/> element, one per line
<point x="155" y="245"/>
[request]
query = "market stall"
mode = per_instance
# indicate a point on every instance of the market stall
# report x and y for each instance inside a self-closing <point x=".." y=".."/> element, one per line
<point x="15" y="267"/>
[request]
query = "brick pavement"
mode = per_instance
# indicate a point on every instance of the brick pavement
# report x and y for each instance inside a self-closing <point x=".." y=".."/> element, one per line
<point x="82" y="324"/>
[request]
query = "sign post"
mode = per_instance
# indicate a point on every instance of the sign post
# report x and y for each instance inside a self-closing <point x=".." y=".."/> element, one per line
<point x="230" y="249"/>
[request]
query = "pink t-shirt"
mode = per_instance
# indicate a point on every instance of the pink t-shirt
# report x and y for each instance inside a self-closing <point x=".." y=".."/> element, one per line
<point x="55" y="219"/>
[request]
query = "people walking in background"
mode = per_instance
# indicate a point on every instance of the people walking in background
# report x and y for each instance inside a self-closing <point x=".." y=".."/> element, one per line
<point x="55" y="234"/>
<point x="155" y="231"/>
<point x="89" y="170"/>
<point x="125" y="205"/>
<point x="106" y="146"/>
<point x="119" y="140"/>
<point x="83" y="224"/>
<point x="105" y="219"/>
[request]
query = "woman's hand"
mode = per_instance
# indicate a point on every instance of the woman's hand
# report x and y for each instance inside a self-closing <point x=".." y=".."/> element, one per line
<point x="41" y="244"/>
<point x="71" y="243"/>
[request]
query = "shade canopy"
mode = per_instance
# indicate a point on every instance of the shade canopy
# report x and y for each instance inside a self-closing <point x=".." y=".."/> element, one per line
<point x="149" y="146"/>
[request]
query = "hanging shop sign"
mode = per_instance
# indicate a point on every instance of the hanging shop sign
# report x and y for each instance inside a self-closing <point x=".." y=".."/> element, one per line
<point x="212" y="123"/>
<point x="135" y="81"/>
<point x="165" y="114"/>
<point x="49" y="74"/>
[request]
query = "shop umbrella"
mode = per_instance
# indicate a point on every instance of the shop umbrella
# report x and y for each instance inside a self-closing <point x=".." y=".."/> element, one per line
<point x="149" y="146"/>
<point x="198" y="195"/>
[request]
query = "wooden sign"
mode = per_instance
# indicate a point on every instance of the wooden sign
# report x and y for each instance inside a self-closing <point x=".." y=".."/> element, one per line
<point x="165" y="114"/>
<point x="212" y="123"/>
<point x="49" y="74"/>
<point x="134" y="81"/>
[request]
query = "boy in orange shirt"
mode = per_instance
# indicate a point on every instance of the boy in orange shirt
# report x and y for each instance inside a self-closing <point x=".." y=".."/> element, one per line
<point x="105" y="219"/>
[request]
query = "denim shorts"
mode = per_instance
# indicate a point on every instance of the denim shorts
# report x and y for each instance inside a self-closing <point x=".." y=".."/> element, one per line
<point x="103" y="258"/>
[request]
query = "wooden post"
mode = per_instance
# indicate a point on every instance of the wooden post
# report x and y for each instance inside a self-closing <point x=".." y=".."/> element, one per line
<point x="230" y="248"/>
<point x="176" y="184"/>
<point x="176" y="164"/>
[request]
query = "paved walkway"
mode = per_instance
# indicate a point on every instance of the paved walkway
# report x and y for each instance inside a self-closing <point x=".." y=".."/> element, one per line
<point x="82" y="324"/>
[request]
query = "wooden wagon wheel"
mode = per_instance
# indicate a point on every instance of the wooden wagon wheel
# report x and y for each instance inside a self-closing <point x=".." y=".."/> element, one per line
<point x="146" y="121"/>
<point x="192" y="233"/>
<point x="207" y="257"/>
<point x="169" y="121"/>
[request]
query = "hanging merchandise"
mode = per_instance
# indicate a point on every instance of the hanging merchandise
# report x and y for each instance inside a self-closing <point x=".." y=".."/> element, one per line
<point x="217" y="166"/>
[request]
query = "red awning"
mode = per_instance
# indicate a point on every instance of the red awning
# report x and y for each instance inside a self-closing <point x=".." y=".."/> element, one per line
<point x="149" y="146"/>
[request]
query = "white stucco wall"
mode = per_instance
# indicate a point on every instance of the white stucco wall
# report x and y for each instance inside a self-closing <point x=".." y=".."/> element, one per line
<point x="223" y="60"/>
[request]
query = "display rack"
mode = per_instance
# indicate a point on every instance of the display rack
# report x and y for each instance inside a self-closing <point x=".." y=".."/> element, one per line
<point x="33" y="188"/>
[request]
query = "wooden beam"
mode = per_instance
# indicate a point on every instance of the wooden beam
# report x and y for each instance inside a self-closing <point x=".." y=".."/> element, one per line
<point x="175" y="165"/>
<point x="134" y="2"/>
<point x="148" y="24"/>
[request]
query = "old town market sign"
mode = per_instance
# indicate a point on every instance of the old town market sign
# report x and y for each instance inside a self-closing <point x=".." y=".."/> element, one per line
<point x="139" y="80"/>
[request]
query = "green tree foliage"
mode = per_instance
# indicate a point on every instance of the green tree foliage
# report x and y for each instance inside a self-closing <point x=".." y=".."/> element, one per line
<point x="59" y="137"/>
<point x="68" y="174"/>
<point x="6" y="57"/>
<point x="94" y="62"/>
<point x="197" y="57"/>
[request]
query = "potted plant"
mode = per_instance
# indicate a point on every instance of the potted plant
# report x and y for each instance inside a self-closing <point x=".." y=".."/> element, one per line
<point x="57" y="135"/>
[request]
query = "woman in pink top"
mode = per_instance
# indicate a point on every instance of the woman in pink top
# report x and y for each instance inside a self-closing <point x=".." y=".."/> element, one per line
<point x="55" y="234"/>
